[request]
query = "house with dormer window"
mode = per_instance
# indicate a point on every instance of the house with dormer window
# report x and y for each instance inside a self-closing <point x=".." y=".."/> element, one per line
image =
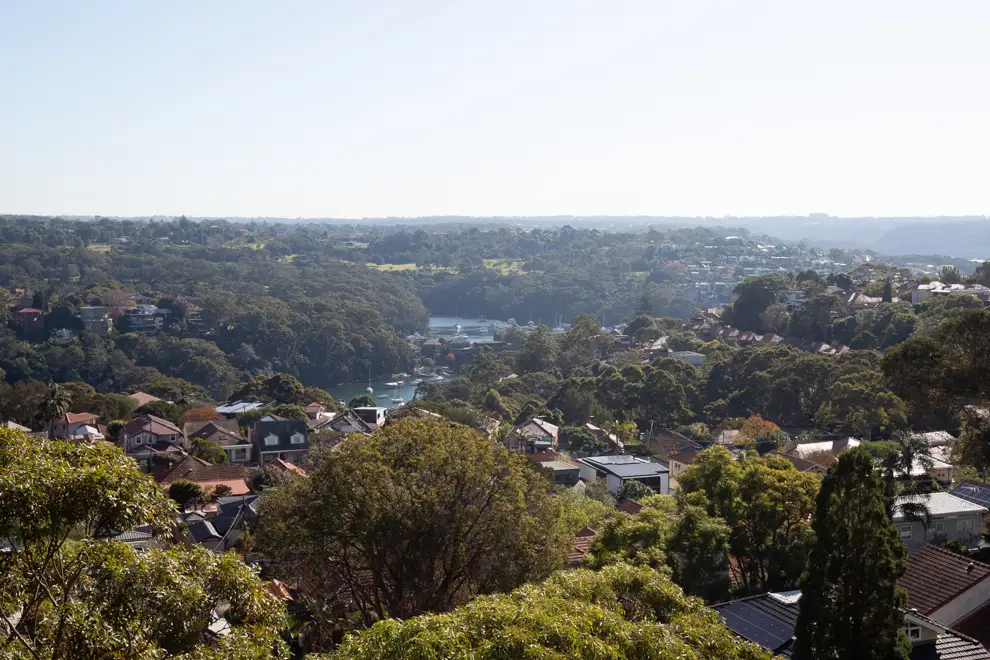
<point x="287" y="439"/>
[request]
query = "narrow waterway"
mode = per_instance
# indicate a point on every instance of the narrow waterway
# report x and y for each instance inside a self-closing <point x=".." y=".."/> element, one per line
<point x="440" y="326"/>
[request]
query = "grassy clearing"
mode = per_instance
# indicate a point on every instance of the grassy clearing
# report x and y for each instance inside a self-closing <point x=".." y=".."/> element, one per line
<point x="390" y="267"/>
<point x="506" y="266"/>
<point x="99" y="248"/>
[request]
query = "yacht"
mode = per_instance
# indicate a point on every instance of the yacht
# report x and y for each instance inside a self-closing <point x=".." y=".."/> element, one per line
<point x="398" y="399"/>
<point x="437" y="379"/>
<point x="418" y="381"/>
<point x="392" y="383"/>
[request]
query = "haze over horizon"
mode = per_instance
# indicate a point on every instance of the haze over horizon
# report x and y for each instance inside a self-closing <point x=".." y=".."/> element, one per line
<point x="356" y="110"/>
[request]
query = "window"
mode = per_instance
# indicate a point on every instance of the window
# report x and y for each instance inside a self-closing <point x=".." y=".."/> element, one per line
<point x="967" y="525"/>
<point x="298" y="438"/>
<point x="937" y="528"/>
<point x="913" y="631"/>
<point x="271" y="440"/>
<point x="906" y="531"/>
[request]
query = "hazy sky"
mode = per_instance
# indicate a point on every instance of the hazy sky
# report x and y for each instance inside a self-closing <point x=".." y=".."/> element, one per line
<point x="494" y="107"/>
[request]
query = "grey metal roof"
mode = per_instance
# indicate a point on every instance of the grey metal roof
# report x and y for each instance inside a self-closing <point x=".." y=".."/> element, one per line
<point x="939" y="504"/>
<point x="625" y="466"/>
<point x="240" y="407"/>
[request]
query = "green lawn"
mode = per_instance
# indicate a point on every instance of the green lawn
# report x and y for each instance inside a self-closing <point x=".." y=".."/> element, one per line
<point x="99" y="248"/>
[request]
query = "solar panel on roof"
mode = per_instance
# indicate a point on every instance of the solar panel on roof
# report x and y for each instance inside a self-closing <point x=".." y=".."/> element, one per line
<point x="755" y="625"/>
<point x="973" y="493"/>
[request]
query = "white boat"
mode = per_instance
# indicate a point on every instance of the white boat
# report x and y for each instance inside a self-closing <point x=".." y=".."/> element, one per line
<point x="416" y="382"/>
<point x="391" y="384"/>
<point x="398" y="399"/>
<point x="382" y="396"/>
<point x="457" y="328"/>
<point x="436" y="379"/>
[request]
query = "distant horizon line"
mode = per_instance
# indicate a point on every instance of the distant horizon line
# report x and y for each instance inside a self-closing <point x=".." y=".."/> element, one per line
<point x="459" y="217"/>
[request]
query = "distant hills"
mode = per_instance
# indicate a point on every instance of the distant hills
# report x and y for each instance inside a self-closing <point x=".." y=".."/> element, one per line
<point x="961" y="236"/>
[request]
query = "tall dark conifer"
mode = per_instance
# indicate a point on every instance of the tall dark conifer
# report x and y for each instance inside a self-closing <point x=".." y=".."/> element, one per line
<point x="850" y="602"/>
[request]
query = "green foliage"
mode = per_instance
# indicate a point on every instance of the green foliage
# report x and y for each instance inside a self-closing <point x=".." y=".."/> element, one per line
<point x="598" y="490"/>
<point x="208" y="450"/>
<point x="753" y="296"/>
<point x="857" y="550"/>
<point x="362" y="401"/>
<point x="185" y="493"/>
<point x="102" y="599"/>
<point x="435" y="511"/>
<point x="170" y="411"/>
<point x="766" y="503"/>
<point x="634" y="490"/>
<point x="619" y="612"/>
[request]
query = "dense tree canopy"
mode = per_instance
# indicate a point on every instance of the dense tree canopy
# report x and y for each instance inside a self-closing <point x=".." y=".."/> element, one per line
<point x="618" y="612"/>
<point x="66" y="593"/>
<point x="433" y="511"/>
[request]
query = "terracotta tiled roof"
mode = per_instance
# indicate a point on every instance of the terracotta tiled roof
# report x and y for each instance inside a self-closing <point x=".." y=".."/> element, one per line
<point x="581" y="547"/>
<point x="936" y="576"/>
<point x="278" y="589"/>
<point x="206" y="474"/>
<point x="143" y="398"/>
<point x="631" y="507"/>
<point x="220" y="433"/>
<point x="75" y="418"/>
<point x="280" y="465"/>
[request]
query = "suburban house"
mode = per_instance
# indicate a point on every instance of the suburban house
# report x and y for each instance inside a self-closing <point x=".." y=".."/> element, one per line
<point x="372" y="415"/>
<point x="287" y="439"/>
<point x="317" y="411"/>
<point x="224" y="432"/>
<point x="96" y="320"/>
<point x="606" y="437"/>
<point x="139" y="538"/>
<point x="232" y="410"/>
<point x="825" y="449"/>
<point x="977" y="493"/>
<point x="147" y="438"/>
<point x="951" y="518"/>
<point x="768" y="620"/>
<point x="950" y="589"/>
<point x="564" y="473"/>
<point x="14" y="426"/>
<point x="681" y="460"/>
<point x="207" y="475"/>
<point x="150" y="430"/>
<point x="278" y="466"/>
<point x="664" y="443"/>
<point x="691" y="357"/>
<point x="337" y="427"/>
<point x="617" y="470"/>
<point x="729" y="438"/>
<point x="69" y="424"/>
<point x="533" y="436"/>
<point x="143" y="398"/>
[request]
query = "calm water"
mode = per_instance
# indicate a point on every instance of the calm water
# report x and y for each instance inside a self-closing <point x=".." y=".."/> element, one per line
<point x="440" y="326"/>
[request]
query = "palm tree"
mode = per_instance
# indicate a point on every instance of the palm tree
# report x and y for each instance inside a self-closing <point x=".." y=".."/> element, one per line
<point x="898" y="465"/>
<point x="54" y="406"/>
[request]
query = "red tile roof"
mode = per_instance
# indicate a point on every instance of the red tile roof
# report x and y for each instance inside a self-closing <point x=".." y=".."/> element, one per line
<point x="206" y="474"/>
<point x="936" y="576"/>
<point x="29" y="310"/>
<point x="629" y="506"/>
<point x="581" y="548"/>
<point x="280" y="465"/>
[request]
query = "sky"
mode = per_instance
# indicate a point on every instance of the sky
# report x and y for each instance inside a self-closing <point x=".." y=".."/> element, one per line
<point x="376" y="108"/>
